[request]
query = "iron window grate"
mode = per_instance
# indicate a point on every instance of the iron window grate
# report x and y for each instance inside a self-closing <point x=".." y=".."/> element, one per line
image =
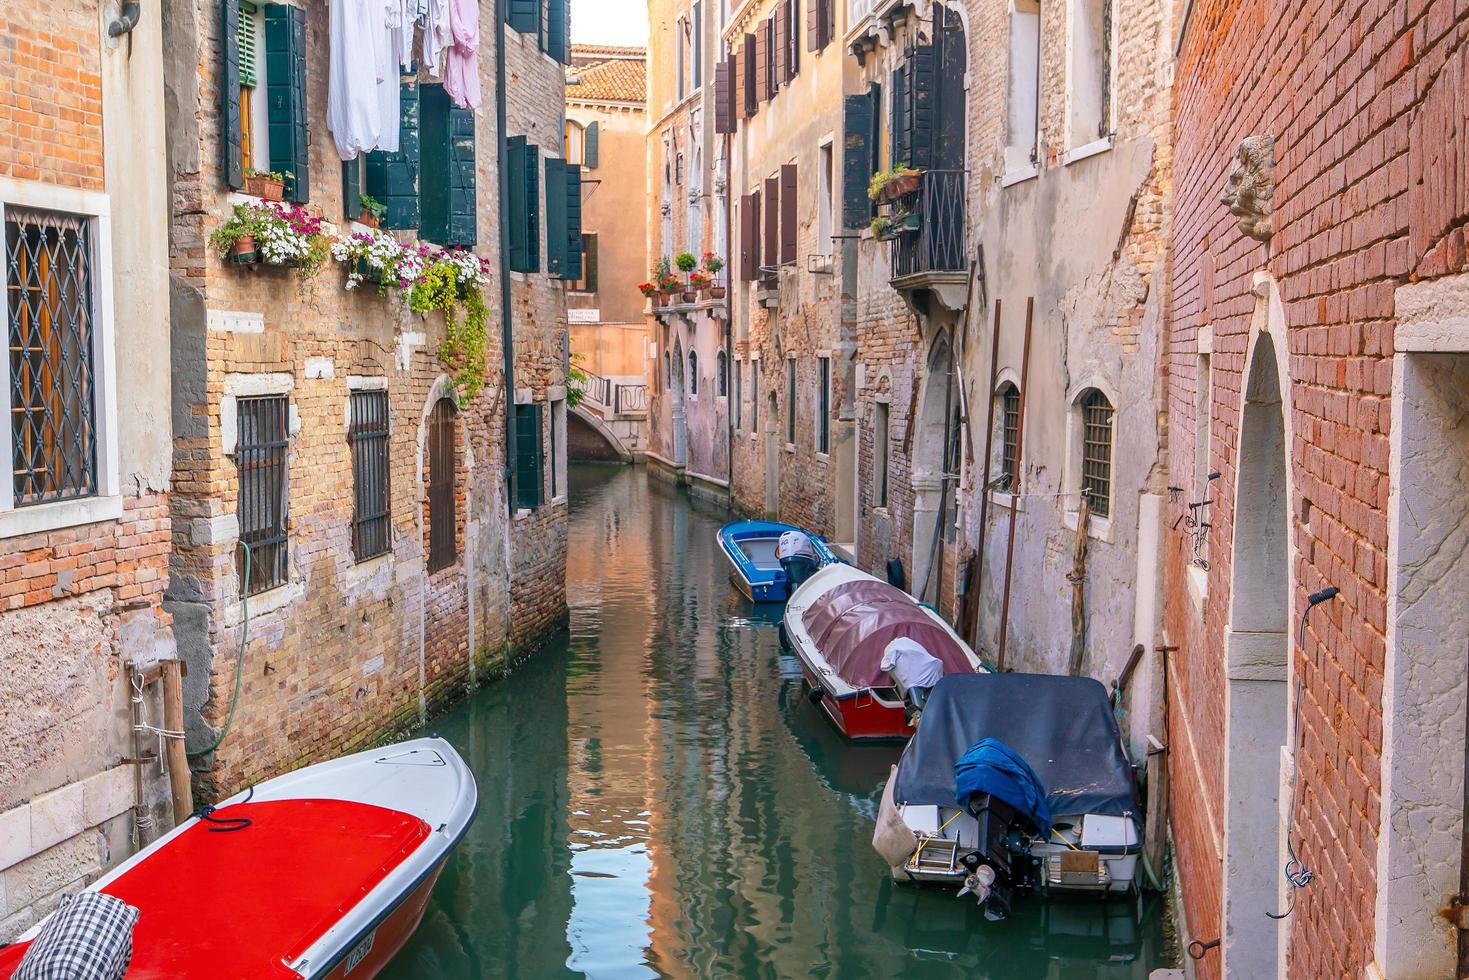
<point x="824" y="422"/>
<point x="1009" y="435"/>
<point x="1096" y="451"/>
<point x="368" y="436"/>
<point x="442" y="546"/>
<point x="791" y="401"/>
<point x="48" y="261"/>
<point x="260" y="455"/>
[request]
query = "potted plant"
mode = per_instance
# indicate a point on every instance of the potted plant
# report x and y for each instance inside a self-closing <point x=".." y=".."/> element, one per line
<point x="882" y="228"/>
<point x="889" y="185"/>
<point x="907" y="221"/>
<point x="273" y="233"/>
<point x="650" y="291"/>
<point x="372" y="211"/>
<point x="268" y="185"/>
<point x="713" y="264"/>
<point x="700" y="282"/>
<point x="235" y="239"/>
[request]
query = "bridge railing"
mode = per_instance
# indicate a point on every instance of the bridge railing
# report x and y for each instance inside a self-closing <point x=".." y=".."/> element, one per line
<point x="630" y="399"/>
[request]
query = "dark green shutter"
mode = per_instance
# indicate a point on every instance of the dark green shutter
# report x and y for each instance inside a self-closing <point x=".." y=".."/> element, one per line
<point x="528" y="456"/>
<point x="589" y="262"/>
<point x="590" y="138"/>
<point x="563" y="219"/>
<point x="558" y="29"/>
<point x="234" y="158"/>
<point x="524" y="206"/>
<point x="285" y="90"/>
<point x="897" y="125"/>
<point x="447" y="150"/>
<point x="856" y="160"/>
<point x="574" y="249"/>
<point x="352" y="188"/>
<point x="392" y="178"/>
<point x="525" y="15"/>
<point x="921" y="104"/>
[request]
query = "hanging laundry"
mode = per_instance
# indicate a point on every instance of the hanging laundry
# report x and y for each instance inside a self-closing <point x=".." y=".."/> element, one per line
<point x="435" y="34"/>
<point x="461" y="62"/>
<point x="352" y="109"/>
<point x="397" y="56"/>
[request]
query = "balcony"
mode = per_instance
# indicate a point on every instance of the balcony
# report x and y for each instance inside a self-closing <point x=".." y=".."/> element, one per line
<point x="929" y="252"/>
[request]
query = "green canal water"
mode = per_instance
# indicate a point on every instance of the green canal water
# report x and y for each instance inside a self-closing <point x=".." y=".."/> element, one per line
<point x="658" y="799"/>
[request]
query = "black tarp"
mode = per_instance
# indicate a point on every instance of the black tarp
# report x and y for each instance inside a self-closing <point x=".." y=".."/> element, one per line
<point x="1062" y="726"/>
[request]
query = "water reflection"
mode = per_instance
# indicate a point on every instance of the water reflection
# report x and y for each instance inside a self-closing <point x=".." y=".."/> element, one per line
<point x="657" y="798"/>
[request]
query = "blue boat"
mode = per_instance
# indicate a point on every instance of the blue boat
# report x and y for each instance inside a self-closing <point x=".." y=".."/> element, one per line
<point x="754" y="569"/>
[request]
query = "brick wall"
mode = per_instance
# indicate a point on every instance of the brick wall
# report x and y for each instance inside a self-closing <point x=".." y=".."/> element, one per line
<point x="51" y="95"/>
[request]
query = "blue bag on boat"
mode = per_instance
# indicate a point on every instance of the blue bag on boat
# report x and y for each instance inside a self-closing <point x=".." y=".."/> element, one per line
<point x="991" y="766"/>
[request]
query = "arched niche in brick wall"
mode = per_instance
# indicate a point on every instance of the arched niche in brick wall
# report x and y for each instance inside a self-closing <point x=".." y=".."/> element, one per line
<point x="1257" y="653"/>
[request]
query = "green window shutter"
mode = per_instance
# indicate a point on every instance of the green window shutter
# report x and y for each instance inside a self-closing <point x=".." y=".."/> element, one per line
<point x="528" y="487"/>
<point x="556" y="217"/>
<point x="229" y="96"/>
<point x="589" y="262"/>
<point x="856" y="160"/>
<point x="447" y="190"/>
<point x="285" y="89"/>
<point x="558" y="29"/>
<point x="524" y="206"/>
<point x="918" y="113"/>
<point x="524" y="15"/>
<point x="591" y="136"/>
<point x="574" y="248"/>
<point x="352" y="189"/>
<point x="392" y="178"/>
<point x="897" y="126"/>
<point x="249" y="45"/>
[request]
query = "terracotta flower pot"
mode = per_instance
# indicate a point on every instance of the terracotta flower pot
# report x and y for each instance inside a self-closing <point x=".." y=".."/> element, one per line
<point x="900" y="186"/>
<point x="243" y="249"/>
<point x="265" y="188"/>
<point x="368" y="219"/>
<point x="717" y="292"/>
<point x="690" y="296"/>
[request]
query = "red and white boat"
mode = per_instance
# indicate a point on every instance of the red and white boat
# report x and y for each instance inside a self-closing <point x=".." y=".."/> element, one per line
<point x="320" y="873"/>
<point x="839" y="622"/>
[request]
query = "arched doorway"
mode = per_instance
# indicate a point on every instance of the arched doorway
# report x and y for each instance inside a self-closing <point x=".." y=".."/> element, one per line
<point x="1257" y="654"/>
<point x="680" y="418"/>
<point x="933" y="483"/>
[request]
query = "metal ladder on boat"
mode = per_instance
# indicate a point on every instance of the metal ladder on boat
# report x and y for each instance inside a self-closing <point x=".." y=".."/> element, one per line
<point x="935" y="854"/>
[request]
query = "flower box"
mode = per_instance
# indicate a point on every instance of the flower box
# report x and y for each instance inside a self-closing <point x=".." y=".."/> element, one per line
<point x="367" y="219"/>
<point x="265" y="187"/>
<point x="900" y="185"/>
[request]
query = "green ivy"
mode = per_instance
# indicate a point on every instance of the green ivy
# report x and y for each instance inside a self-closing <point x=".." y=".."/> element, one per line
<point x="465" y="339"/>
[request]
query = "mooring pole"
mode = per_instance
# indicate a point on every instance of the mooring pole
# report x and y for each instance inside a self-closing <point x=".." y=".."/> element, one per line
<point x="976" y="576"/>
<point x="1016" y="488"/>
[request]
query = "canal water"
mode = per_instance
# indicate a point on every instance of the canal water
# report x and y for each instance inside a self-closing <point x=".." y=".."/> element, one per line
<point x="658" y="799"/>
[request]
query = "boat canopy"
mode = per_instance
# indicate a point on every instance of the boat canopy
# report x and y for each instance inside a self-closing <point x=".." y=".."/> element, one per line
<point x="1063" y="727"/>
<point x="852" y="624"/>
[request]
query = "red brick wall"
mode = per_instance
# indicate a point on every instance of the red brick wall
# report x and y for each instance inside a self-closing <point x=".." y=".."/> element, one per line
<point x="1370" y="192"/>
<point x="51" y="94"/>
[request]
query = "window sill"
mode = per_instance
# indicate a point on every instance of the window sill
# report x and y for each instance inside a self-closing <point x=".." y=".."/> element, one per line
<point x="362" y="572"/>
<point x="1005" y="501"/>
<point x="63" y="513"/>
<point x="1198" y="587"/>
<point x="822" y="457"/>
<point x="1087" y="150"/>
<point x="1019" y="176"/>
<point x="264" y="603"/>
<point x="790" y="447"/>
<point x="1097" y="527"/>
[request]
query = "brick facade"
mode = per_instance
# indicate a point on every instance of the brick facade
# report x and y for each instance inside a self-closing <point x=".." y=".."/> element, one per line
<point x="345" y="653"/>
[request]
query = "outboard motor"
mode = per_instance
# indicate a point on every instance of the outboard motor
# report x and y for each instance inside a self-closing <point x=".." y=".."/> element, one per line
<point x="1000" y="865"/>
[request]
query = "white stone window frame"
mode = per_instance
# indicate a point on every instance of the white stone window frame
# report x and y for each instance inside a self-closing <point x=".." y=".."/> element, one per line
<point x="823" y="456"/>
<point x="827" y="205"/>
<point x="883" y="399"/>
<point x="1098" y="527"/>
<point x="1094" y="145"/>
<point x="789" y="424"/>
<point x="250" y="385"/>
<point x="361" y="572"/>
<point x="1015" y="169"/>
<point x="1004" y="499"/>
<point x="737" y="396"/>
<point x="106" y="504"/>
<point x="1198" y="578"/>
<point x="556" y="476"/>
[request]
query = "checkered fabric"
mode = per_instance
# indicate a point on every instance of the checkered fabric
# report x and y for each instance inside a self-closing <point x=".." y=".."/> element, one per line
<point x="88" y="937"/>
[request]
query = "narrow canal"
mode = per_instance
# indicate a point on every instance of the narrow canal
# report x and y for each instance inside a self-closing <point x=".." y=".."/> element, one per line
<point x="658" y="799"/>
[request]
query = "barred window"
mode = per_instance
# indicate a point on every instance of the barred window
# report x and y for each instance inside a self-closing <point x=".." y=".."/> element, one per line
<point x="823" y="419"/>
<point x="1009" y="435"/>
<point x="880" y="454"/>
<point x="368" y="436"/>
<point x="791" y="400"/>
<point x="721" y="374"/>
<point x="260" y="454"/>
<point x="442" y="548"/>
<point x="48" y="262"/>
<point x="1096" y="451"/>
<point x="693" y="373"/>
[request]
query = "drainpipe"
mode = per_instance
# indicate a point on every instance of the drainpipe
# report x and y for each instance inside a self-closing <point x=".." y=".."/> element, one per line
<point x="729" y="323"/>
<point x="507" y="333"/>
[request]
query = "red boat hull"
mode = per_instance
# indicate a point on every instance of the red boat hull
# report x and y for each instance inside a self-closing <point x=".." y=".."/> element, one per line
<point x="387" y="939"/>
<point x="860" y="716"/>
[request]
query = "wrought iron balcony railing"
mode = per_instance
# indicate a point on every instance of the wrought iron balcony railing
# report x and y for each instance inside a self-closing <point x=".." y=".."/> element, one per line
<point x="940" y="209"/>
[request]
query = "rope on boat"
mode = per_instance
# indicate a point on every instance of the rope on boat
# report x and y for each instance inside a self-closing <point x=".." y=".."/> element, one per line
<point x="924" y="839"/>
<point x="229" y="720"/>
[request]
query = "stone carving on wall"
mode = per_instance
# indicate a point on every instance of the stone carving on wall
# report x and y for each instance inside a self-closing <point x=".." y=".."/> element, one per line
<point x="1251" y="185"/>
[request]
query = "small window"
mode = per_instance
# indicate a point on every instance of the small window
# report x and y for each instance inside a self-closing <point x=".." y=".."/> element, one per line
<point x="823" y="418"/>
<point x="791" y="400"/>
<point x="588" y="281"/>
<point x="1096" y="451"/>
<point x="368" y="436"/>
<point x="1023" y="122"/>
<point x="693" y="373"/>
<point x="260" y="456"/>
<point x="1203" y="381"/>
<point x="721" y="374"/>
<point x="442" y="520"/>
<point x="754" y="396"/>
<point x="558" y="448"/>
<point x="880" y="454"/>
<point x="254" y="138"/>
<point x="1090" y="71"/>
<point x="49" y="293"/>
<point x="575" y="142"/>
<point x="825" y="205"/>
<point x="667" y="369"/>
<point x="737" y="405"/>
<point x="1009" y="398"/>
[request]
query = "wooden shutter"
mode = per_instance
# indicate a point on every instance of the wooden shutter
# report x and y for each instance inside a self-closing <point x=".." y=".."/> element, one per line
<point x="590" y="138"/>
<point x="770" y="247"/>
<point x="574" y="246"/>
<point x="589" y="262"/>
<point x="352" y="188"/>
<point x="751" y="89"/>
<point x="897" y="121"/>
<point x="447" y="197"/>
<point x="392" y="178"/>
<point x="781" y="21"/>
<point x="524" y="206"/>
<point x="788" y="214"/>
<point x="813" y="26"/>
<point x="762" y="68"/>
<point x="563" y="219"/>
<point x="922" y="105"/>
<point x="528" y="456"/>
<point x="558" y="29"/>
<point x="696" y="63"/>
<point x="792" y="9"/>
<point x="749" y="212"/>
<point x="524" y="15"/>
<point x="723" y="104"/>
<point x="856" y="160"/>
<point x="442" y="519"/>
<point x="463" y="202"/>
<point x="229" y="96"/>
<point x="285" y="89"/>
